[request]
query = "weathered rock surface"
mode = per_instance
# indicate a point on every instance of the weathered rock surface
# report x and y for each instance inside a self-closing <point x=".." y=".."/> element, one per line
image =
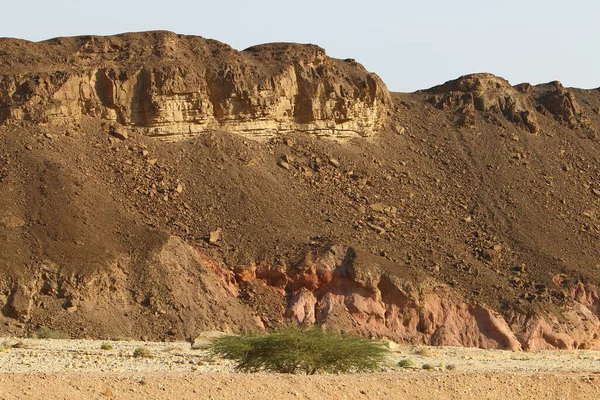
<point x="163" y="84"/>
<point x="563" y="106"/>
<point x="328" y="290"/>
<point x="485" y="93"/>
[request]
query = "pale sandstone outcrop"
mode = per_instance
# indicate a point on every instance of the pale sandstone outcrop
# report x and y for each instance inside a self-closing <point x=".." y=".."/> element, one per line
<point x="181" y="86"/>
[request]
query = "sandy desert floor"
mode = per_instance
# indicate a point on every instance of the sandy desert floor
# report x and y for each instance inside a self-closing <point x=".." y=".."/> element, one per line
<point x="81" y="369"/>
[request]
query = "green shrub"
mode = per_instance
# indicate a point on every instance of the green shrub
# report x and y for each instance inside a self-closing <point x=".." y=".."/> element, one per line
<point x="428" y="366"/>
<point x="106" y="346"/>
<point x="48" y="333"/>
<point x="406" y="363"/>
<point x="292" y="350"/>
<point x="142" y="352"/>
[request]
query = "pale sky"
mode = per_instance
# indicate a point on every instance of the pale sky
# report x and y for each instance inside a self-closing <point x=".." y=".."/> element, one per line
<point x="411" y="44"/>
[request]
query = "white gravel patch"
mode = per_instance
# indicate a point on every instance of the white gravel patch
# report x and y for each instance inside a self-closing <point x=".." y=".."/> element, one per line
<point x="60" y="355"/>
<point x="69" y="355"/>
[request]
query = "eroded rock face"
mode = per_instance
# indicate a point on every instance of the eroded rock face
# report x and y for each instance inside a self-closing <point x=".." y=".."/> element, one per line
<point x="486" y="93"/>
<point x="563" y="106"/>
<point x="179" y="292"/>
<point x="337" y="290"/>
<point x="165" y="84"/>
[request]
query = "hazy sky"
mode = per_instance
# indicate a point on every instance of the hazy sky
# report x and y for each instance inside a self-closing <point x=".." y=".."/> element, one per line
<point x="411" y="44"/>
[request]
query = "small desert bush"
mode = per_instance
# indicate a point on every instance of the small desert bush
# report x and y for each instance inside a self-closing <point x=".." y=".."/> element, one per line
<point x="293" y="350"/>
<point x="123" y="339"/>
<point x="406" y="363"/>
<point x="424" y="352"/>
<point x="428" y="366"/>
<point x="106" y="346"/>
<point x="142" y="352"/>
<point x="48" y="333"/>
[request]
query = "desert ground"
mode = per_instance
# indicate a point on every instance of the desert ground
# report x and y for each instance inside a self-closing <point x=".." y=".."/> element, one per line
<point x="82" y="369"/>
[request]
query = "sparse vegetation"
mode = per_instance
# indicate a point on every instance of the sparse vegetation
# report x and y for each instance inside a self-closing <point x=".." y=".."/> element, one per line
<point x="142" y="352"/>
<point x="106" y="346"/>
<point x="407" y="363"/>
<point x="428" y="366"/>
<point x="123" y="339"/>
<point x="48" y="333"/>
<point x="5" y="346"/>
<point x="424" y="352"/>
<point x="450" y="367"/>
<point x="293" y="350"/>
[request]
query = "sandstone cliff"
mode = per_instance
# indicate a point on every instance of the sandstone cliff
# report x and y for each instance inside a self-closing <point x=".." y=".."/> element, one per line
<point x="164" y="84"/>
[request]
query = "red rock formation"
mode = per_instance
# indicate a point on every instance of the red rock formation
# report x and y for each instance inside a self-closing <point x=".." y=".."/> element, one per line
<point x="330" y="290"/>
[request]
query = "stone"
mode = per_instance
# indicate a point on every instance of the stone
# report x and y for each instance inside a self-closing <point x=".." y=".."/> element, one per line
<point x="377" y="206"/>
<point x="283" y="164"/>
<point x="393" y="346"/>
<point x="381" y="207"/>
<point x="334" y="162"/>
<point x="215" y="236"/>
<point x="71" y="309"/>
<point x="399" y="129"/>
<point x="118" y="133"/>
<point x="20" y="304"/>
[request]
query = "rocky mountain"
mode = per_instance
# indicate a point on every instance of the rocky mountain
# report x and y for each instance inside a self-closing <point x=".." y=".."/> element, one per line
<point x="155" y="185"/>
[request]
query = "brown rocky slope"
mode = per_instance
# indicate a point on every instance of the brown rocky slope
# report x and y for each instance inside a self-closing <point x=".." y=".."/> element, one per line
<point x="466" y="214"/>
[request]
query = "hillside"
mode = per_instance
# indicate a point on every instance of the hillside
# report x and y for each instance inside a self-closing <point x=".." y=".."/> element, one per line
<point x="155" y="185"/>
